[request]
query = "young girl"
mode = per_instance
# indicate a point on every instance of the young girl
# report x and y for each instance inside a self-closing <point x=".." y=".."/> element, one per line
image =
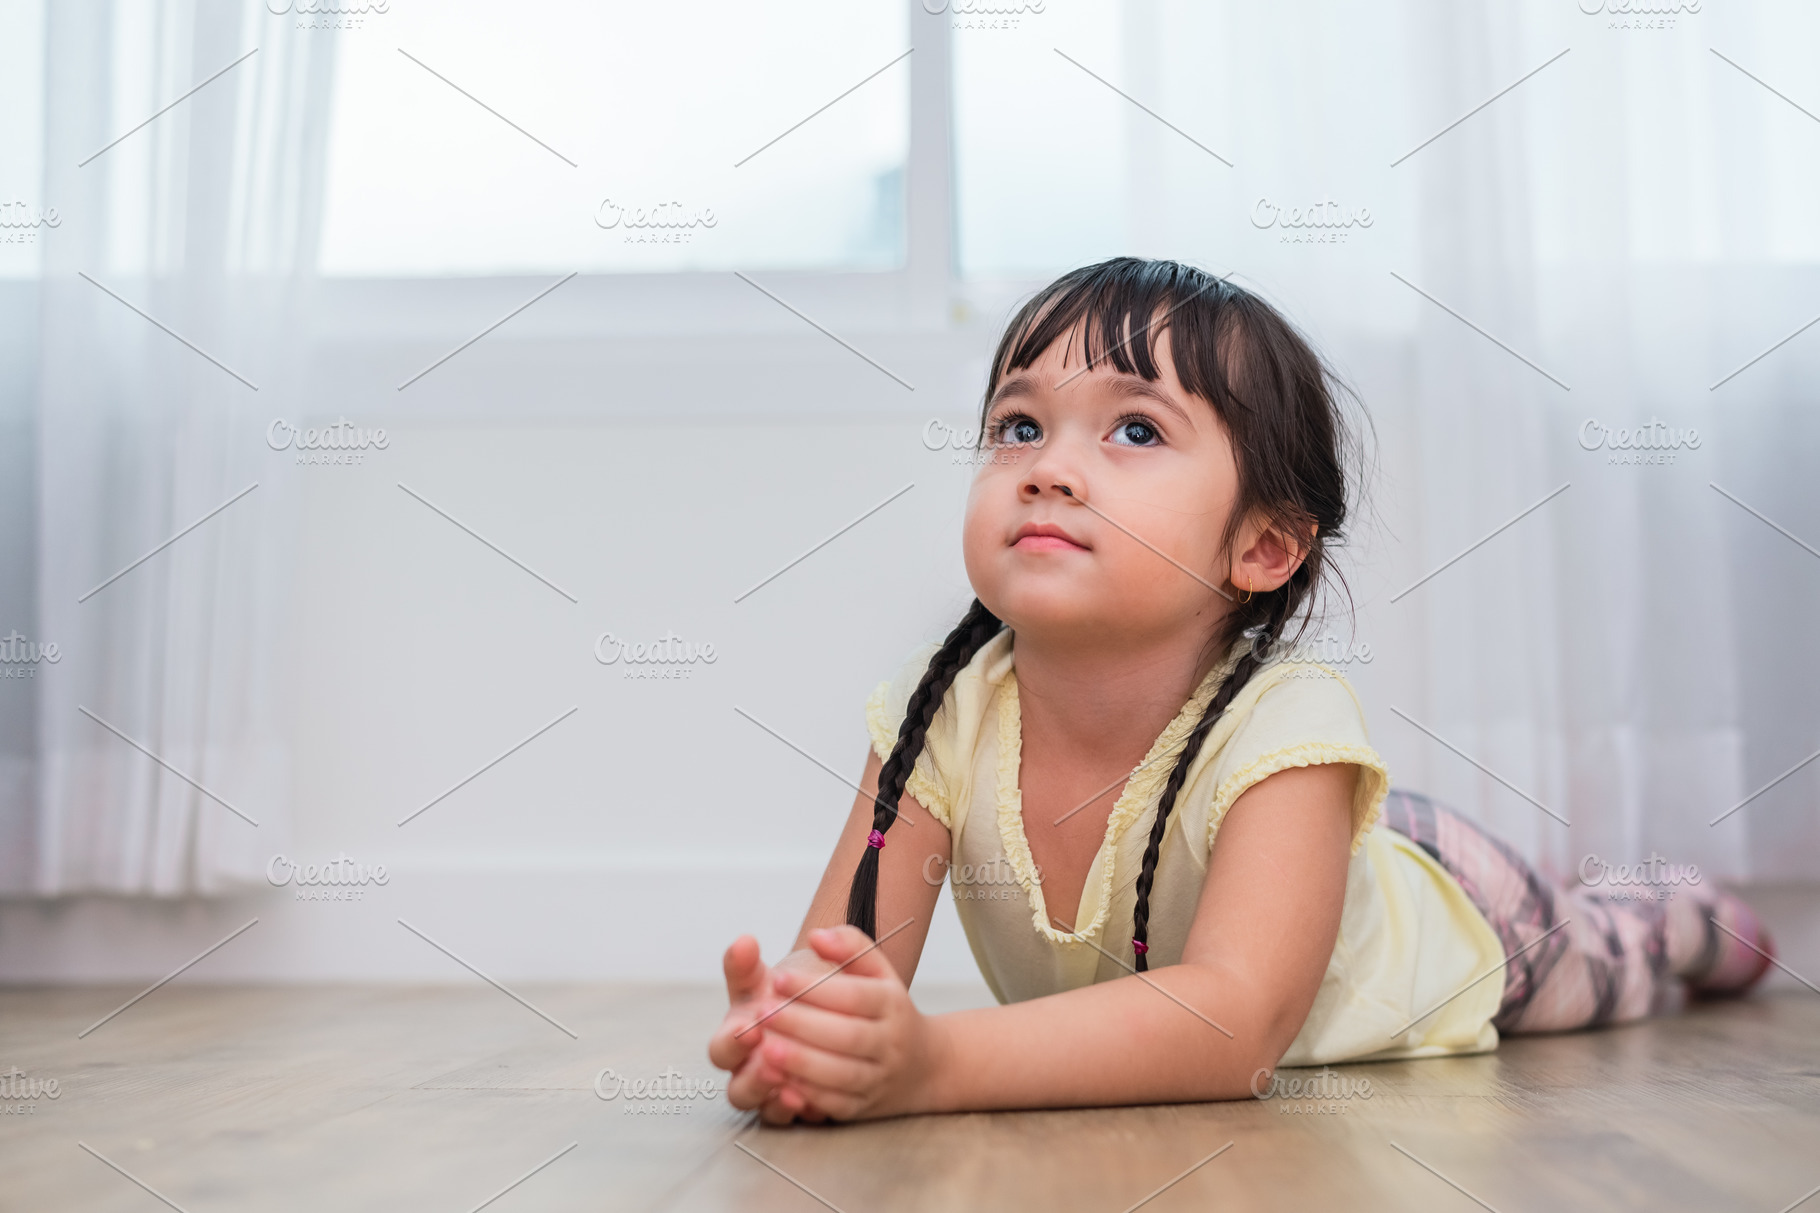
<point x="1174" y="851"/>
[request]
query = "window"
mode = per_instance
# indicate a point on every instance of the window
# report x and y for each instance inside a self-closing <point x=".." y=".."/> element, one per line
<point x="632" y="119"/>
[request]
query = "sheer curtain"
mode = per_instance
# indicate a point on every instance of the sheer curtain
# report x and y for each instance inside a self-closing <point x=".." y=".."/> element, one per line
<point x="159" y="732"/>
<point x="1503" y="224"/>
<point x="1515" y="229"/>
<point x="1623" y="221"/>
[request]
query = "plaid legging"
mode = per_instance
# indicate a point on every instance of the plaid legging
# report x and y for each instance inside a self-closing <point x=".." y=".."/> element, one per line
<point x="1607" y="965"/>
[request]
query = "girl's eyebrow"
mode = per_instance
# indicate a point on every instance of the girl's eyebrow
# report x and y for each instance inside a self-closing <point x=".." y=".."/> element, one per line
<point x="1136" y="385"/>
<point x="1121" y="384"/>
<point x="1017" y="385"/>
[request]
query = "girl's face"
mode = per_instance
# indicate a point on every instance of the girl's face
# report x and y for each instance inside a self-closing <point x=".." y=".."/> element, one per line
<point x="1153" y="461"/>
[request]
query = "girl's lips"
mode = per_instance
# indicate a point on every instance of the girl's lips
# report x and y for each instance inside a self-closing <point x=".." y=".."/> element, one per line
<point x="1047" y="543"/>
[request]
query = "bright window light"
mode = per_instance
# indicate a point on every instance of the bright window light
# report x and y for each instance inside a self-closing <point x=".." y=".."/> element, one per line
<point x="475" y="138"/>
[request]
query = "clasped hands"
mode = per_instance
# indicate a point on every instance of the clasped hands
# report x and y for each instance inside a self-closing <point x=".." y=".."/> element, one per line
<point x="827" y="1033"/>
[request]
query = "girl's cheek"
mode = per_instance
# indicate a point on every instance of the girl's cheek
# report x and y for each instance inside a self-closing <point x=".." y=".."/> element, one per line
<point x="980" y="575"/>
<point x="973" y="530"/>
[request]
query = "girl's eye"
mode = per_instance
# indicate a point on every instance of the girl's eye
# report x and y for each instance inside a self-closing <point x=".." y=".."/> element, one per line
<point x="1016" y="428"/>
<point x="1135" y="431"/>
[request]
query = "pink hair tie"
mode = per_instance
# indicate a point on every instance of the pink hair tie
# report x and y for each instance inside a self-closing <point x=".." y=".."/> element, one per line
<point x="875" y="839"/>
<point x="1139" y="946"/>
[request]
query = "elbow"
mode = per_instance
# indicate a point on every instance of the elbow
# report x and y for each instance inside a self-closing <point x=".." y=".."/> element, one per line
<point x="1260" y="1073"/>
<point x="1245" y="1068"/>
<point x="1254" y="1078"/>
<point x="1258" y="1027"/>
<point x="1256" y="1050"/>
<point x="1260" y="1061"/>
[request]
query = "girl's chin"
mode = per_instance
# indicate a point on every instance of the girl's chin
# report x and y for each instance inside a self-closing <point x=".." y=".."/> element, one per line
<point x="1057" y="612"/>
<point x="1063" y="610"/>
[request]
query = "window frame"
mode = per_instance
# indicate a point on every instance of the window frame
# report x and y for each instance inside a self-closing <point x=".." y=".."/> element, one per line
<point x="915" y="295"/>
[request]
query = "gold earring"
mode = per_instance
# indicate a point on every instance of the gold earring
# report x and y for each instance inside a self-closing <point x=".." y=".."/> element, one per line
<point x="1247" y="597"/>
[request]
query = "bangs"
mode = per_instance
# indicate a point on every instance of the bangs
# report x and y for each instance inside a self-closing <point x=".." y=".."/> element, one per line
<point x="1117" y="310"/>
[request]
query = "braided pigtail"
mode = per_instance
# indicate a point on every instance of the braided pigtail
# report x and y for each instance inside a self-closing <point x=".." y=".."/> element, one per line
<point x="976" y="627"/>
<point x="1273" y="609"/>
<point x="1178" y="775"/>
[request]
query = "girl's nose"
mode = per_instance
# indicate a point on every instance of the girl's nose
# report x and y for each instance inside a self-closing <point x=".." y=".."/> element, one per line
<point x="1052" y="473"/>
<point x="1034" y="489"/>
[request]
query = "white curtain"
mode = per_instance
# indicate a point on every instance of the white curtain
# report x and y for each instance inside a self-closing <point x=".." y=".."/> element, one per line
<point x="1632" y="655"/>
<point x="1617" y="203"/>
<point x="205" y="221"/>
<point x="1632" y="219"/>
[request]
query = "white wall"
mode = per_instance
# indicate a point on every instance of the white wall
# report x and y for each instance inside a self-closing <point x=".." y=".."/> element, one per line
<point x="641" y="834"/>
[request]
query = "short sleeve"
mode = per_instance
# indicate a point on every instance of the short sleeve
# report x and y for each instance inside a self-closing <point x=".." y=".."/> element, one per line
<point x="943" y="775"/>
<point x="1306" y="716"/>
<point x="885" y="715"/>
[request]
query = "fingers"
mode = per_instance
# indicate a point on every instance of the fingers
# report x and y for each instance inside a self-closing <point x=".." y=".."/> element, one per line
<point x="740" y="1032"/>
<point x="728" y="1050"/>
<point x="823" y="1103"/>
<point x="835" y="1031"/>
<point x="791" y="1102"/>
<point x="754" y="1084"/>
<point x="867" y="996"/>
<point x="807" y="1063"/>
<point x="747" y="994"/>
<point x="849" y="946"/>
<point x="744" y="969"/>
<point x="803" y="961"/>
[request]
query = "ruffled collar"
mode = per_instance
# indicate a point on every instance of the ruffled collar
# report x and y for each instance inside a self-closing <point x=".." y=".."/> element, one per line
<point x="1143" y="787"/>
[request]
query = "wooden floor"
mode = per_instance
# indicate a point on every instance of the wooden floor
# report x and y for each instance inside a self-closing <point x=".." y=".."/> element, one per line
<point x="238" y="1098"/>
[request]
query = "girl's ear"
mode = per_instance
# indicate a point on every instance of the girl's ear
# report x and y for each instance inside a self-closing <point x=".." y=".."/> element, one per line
<point x="1267" y="554"/>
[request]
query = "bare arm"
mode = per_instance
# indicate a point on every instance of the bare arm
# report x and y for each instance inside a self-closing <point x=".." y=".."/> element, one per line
<point x="1263" y="932"/>
<point x="911" y="870"/>
<point x="912" y="867"/>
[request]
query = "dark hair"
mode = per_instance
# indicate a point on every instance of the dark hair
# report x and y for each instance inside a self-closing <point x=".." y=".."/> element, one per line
<point x="1280" y="405"/>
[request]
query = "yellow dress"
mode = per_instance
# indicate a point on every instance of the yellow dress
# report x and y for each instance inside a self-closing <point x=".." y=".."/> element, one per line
<point x="1409" y="938"/>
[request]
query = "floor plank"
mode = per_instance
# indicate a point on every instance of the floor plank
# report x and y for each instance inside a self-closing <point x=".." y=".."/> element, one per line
<point x="440" y="1098"/>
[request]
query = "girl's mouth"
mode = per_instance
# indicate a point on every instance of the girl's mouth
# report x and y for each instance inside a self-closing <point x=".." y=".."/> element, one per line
<point x="1046" y="537"/>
